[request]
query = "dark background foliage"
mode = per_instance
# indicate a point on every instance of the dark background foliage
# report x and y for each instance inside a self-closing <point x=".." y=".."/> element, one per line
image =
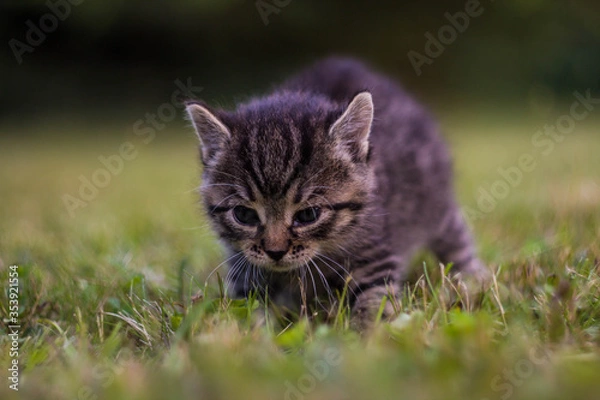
<point x="120" y="57"/>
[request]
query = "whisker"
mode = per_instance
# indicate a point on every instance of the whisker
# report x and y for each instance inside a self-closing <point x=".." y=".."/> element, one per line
<point x="320" y="257"/>
<point x="236" y="178"/>
<point x="233" y="269"/>
<point x="324" y="198"/>
<point x="201" y="187"/>
<point x="260" y="280"/>
<point x="315" y="175"/>
<point x="347" y="251"/>
<point x="220" y="265"/>
<point x="221" y="202"/>
<point x="197" y="189"/>
<point x="246" y="283"/>
<point x="219" y="184"/>
<point x="257" y="278"/>
<point x="325" y="283"/>
<point x="194" y="228"/>
<point x="320" y="187"/>
<point x="239" y="272"/>
<point x="315" y="293"/>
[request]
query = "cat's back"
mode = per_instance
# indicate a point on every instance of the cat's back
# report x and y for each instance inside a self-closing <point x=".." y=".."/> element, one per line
<point x="341" y="78"/>
<point x="399" y="118"/>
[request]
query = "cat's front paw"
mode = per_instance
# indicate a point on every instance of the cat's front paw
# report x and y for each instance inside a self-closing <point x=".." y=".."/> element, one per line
<point x="470" y="284"/>
<point x="371" y="306"/>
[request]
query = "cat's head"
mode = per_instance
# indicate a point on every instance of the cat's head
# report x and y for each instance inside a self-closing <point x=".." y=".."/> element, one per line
<point x="286" y="177"/>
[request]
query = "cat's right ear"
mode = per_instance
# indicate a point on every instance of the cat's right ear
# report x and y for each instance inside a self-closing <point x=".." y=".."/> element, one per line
<point x="211" y="132"/>
<point x="352" y="129"/>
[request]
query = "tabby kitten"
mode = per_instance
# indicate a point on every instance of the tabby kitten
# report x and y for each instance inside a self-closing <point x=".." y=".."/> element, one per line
<point x="334" y="179"/>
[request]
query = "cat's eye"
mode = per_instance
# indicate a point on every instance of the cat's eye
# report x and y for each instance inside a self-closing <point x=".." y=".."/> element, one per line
<point x="307" y="216"/>
<point x="246" y="216"/>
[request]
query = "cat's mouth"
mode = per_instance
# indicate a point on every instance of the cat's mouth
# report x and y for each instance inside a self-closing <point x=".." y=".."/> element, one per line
<point x="291" y="261"/>
<point x="277" y="266"/>
<point x="281" y="266"/>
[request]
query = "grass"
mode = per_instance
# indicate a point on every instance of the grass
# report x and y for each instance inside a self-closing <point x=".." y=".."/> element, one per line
<point x="113" y="301"/>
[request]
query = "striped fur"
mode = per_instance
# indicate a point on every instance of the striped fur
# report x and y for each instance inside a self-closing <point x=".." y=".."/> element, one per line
<point x="348" y="147"/>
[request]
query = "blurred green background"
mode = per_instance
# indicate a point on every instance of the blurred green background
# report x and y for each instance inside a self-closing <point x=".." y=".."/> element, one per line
<point x="113" y="59"/>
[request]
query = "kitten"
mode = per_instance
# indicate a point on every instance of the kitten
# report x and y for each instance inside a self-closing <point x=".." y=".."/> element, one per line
<point x="334" y="179"/>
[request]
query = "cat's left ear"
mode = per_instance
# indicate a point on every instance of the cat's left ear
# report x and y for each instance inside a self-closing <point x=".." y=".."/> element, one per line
<point x="352" y="129"/>
<point x="213" y="134"/>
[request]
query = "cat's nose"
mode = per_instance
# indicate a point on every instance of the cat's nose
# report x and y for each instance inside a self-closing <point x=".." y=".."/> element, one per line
<point x="276" y="255"/>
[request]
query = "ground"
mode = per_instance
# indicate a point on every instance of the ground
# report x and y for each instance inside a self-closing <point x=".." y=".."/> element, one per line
<point x="113" y="301"/>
